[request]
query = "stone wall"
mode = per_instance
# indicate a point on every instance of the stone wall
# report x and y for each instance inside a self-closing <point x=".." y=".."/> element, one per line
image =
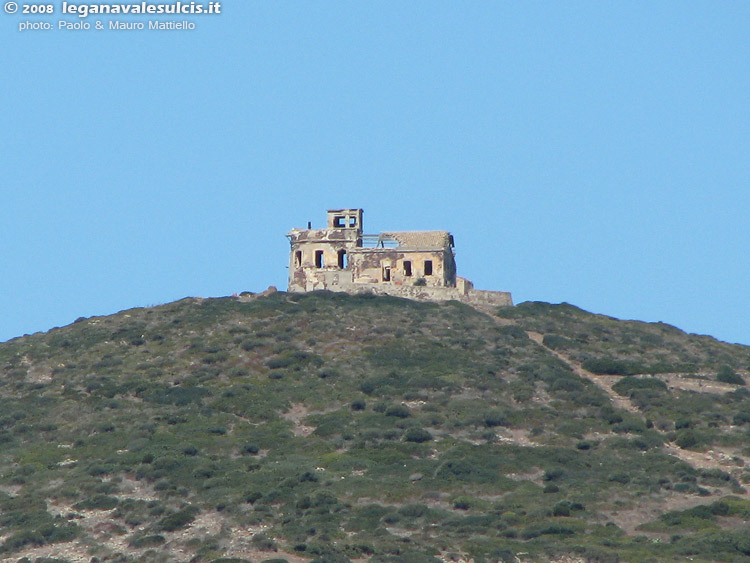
<point x="335" y="281"/>
<point x="404" y="266"/>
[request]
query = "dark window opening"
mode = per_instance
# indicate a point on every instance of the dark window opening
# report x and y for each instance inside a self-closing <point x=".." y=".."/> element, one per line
<point x="343" y="261"/>
<point x="386" y="273"/>
<point x="319" y="259"/>
<point x="428" y="267"/>
<point x="298" y="258"/>
<point x="344" y="221"/>
<point x="407" y="268"/>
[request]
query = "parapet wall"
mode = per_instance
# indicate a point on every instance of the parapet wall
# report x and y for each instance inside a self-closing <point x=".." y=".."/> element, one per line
<point x="470" y="296"/>
<point x="336" y="282"/>
<point x="494" y="298"/>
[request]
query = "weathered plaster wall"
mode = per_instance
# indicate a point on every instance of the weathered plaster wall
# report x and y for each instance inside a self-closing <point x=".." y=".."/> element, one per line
<point x="306" y="243"/>
<point x="369" y="266"/>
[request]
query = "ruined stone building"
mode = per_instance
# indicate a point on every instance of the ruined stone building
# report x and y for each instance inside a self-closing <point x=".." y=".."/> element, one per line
<point x="413" y="264"/>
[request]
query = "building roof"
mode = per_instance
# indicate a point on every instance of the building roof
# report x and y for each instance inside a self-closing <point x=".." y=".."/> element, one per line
<point x="438" y="240"/>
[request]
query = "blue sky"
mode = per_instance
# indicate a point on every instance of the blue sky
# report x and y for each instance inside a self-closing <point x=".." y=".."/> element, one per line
<point x="590" y="152"/>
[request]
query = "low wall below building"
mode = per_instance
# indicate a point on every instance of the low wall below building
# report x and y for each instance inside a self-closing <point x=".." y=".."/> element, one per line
<point x="340" y="281"/>
<point x="421" y="293"/>
<point x="484" y="297"/>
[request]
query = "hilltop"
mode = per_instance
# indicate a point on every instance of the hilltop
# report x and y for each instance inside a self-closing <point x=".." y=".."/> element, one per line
<point x="333" y="427"/>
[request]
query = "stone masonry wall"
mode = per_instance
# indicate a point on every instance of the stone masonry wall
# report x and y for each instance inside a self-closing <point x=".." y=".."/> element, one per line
<point x="334" y="282"/>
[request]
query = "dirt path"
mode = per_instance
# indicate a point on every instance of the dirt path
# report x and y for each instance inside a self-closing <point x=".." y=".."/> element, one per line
<point x="718" y="458"/>
<point x="724" y="459"/>
<point x="604" y="383"/>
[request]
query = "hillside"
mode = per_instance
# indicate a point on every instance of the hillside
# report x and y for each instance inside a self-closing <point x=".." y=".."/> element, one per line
<point x="331" y="427"/>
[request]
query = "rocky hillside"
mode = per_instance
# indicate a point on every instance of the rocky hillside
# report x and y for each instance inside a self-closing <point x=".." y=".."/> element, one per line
<point x="331" y="427"/>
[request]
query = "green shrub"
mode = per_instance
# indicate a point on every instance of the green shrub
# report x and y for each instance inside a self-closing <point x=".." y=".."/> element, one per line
<point x="553" y="474"/>
<point x="557" y="342"/>
<point x="687" y="439"/>
<point x="619" y="477"/>
<point x="98" y="502"/>
<point x="60" y="533"/>
<point x="714" y="477"/>
<point x="495" y="417"/>
<point x="681" y="423"/>
<point x="610" y="415"/>
<point x="141" y="542"/>
<point x="627" y="385"/>
<point x="413" y="510"/>
<point x="399" y="411"/>
<point x="609" y="366"/>
<point x="22" y="539"/>
<point x="561" y="508"/>
<point x="728" y="375"/>
<point x="630" y="426"/>
<point x="417" y="435"/>
<point x="536" y="531"/>
<point x="280" y="362"/>
<point x="178" y="520"/>
<point x="462" y="503"/>
<point x="263" y="542"/>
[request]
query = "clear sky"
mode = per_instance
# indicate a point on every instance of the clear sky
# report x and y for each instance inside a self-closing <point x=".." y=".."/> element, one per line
<point x="590" y="152"/>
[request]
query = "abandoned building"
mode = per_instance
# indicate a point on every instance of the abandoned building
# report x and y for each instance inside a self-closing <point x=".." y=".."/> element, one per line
<point x="413" y="264"/>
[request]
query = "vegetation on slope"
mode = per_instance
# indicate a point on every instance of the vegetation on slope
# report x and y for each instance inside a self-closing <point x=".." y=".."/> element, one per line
<point x="332" y="427"/>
